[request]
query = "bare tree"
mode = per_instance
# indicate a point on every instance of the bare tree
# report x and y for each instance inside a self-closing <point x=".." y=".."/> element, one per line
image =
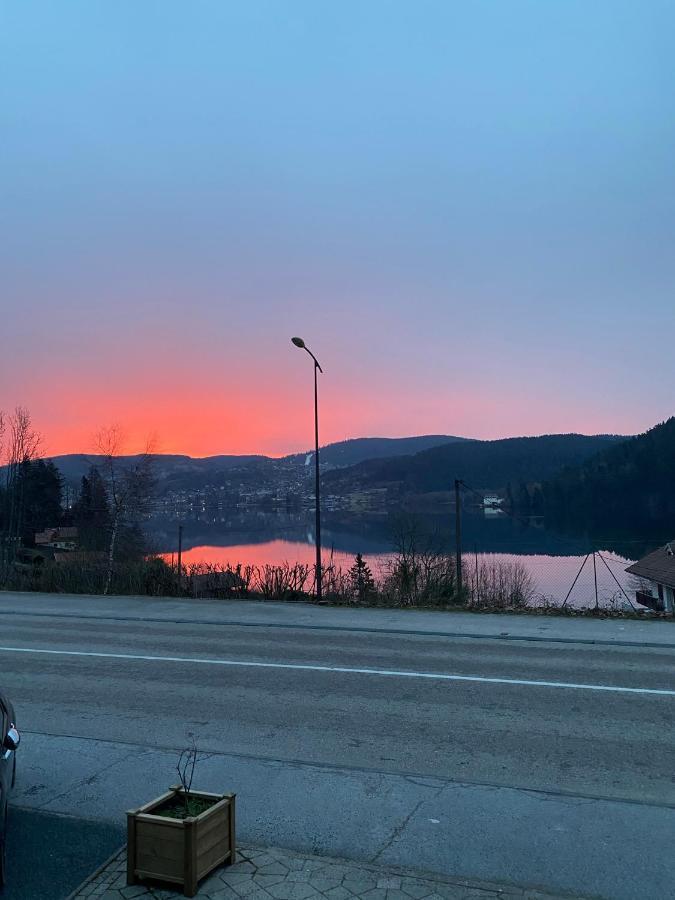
<point x="19" y="445"/>
<point x="129" y="482"/>
<point x="421" y="570"/>
<point x="186" y="770"/>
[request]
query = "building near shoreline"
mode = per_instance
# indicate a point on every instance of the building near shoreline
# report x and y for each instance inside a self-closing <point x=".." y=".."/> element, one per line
<point x="658" y="571"/>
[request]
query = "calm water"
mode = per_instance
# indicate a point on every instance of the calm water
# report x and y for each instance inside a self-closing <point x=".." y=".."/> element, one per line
<point x="553" y="560"/>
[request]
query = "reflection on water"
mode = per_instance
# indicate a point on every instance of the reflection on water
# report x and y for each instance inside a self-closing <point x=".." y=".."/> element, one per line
<point x="258" y="538"/>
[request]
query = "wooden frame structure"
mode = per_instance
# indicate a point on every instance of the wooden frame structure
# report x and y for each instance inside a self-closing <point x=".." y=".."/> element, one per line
<point x="180" y="851"/>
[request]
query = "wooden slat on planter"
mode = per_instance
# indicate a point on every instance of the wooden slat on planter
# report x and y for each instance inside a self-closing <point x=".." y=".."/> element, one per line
<point x="216" y="825"/>
<point x="153" y="830"/>
<point x="214" y="839"/>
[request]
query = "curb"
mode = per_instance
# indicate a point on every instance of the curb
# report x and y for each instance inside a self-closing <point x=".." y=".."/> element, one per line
<point x="94" y="875"/>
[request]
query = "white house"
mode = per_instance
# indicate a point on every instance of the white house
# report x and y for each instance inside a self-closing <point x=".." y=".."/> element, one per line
<point x="64" y="538"/>
<point x="658" y="569"/>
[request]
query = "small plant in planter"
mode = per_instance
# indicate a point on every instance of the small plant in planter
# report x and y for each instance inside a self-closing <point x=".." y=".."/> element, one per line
<point x="183" y="835"/>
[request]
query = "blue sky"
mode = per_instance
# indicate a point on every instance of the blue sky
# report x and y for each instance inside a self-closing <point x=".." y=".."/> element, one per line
<point x="466" y="208"/>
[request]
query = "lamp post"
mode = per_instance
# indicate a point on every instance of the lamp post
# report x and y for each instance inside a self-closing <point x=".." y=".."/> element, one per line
<point x="317" y="368"/>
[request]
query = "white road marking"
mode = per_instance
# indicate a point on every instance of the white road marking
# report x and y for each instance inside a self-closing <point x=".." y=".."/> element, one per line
<point x="345" y="670"/>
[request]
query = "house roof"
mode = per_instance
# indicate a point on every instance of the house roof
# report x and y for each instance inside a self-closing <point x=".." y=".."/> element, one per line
<point x="658" y="566"/>
<point x="63" y="533"/>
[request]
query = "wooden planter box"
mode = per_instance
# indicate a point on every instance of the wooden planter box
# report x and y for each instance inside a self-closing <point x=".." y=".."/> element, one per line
<point x="180" y="851"/>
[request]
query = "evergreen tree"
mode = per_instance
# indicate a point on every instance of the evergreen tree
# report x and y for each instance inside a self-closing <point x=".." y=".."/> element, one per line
<point x="509" y="502"/>
<point x="537" y="504"/>
<point x="91" y="512"/>
<point x="523" y="500"/>
<point x="41" y="487"/>
<point x="361" y="580"/>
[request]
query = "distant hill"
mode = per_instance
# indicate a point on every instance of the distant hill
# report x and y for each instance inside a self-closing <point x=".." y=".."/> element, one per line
<point x="634" y="480"/>
<point x="356" y="450"/>
<point x="485" y="465"/>
<point x="175" y="471"/>
<point x="74" y="465"/>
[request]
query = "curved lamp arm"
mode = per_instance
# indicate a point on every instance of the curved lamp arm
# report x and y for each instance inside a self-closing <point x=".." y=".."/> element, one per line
<point x="298" y="341"/>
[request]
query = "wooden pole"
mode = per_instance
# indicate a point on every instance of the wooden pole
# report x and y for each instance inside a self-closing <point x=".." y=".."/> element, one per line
<point x="180" y="558"/>
<point x="458" y="536"/>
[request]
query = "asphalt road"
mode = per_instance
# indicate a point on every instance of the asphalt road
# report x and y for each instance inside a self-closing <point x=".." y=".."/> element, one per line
<point x="542" y="763"/>
<point x="49" y="855"/>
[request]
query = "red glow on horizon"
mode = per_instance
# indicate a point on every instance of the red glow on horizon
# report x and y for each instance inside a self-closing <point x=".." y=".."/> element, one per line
<point x="273" y="415"/>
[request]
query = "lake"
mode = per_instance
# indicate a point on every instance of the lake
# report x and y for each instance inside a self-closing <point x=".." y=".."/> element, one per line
<point x="258" y="538"/>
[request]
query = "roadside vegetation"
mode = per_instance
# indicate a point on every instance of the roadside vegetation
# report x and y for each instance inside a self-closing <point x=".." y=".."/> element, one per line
<point x="497" y="586"/>
<point x="405" y="582"/>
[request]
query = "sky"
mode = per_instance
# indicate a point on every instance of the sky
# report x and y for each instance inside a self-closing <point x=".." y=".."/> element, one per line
<point x="466" y="209"/>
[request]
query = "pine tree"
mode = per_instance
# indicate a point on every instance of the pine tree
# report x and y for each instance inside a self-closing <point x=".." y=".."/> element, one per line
<point x="91" y="512"/>
<point x="537" y="505"/>
<point x="361" y="580"/>
<point x="41" y="485"/>
<point x="523" y="500"/>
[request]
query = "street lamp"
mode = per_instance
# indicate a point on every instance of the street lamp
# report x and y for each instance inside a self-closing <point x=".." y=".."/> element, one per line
<point x="317" y="368"/>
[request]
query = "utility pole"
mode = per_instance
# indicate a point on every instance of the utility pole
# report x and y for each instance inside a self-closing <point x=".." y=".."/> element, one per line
<point x="180" y="558"/>
<point x="458" y="536"/>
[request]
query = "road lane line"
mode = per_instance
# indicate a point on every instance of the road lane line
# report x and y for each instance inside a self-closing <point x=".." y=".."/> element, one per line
<point x="345" y="670"/>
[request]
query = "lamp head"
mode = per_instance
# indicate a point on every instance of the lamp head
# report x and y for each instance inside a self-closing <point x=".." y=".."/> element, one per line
<point x="298" y="342"/>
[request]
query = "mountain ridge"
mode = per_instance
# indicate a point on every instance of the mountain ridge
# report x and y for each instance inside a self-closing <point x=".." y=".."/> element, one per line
<point x="487" y="465"/>
<point x="339" y="453"/>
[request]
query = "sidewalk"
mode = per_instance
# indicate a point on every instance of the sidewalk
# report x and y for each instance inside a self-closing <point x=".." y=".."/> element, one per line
<point x="273" y="874"/>
<point x="257" y="614"/>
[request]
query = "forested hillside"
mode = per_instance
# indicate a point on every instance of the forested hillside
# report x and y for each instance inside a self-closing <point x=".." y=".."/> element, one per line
<point x="634" y="478"/>
<point x="491" y="465"/>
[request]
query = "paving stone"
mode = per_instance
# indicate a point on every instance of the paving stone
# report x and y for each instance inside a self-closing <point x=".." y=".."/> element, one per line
<point x="224" y="893"/>
<point x="294" y="864"/>
<point x="338" y="893"/>
<point x="359" y="884"/>
<point x="246" y="888"/>
<point x="243" y="866"/>
<point x="293" y="891"/>
<point x="299" y="877"/>
<point x="232" y="878"/>
<point x="324" y="885"/>
<point x="274" y="868"/>
<point x="275" y="874"/>
<point x="258" y="894"/>
<point x="266" y="880"/>
<point x="416" y="888"/>
<point x="392" y="881"/>
<point x="262" y="859"/>
<point x="332" y="870"/>
<point x="212" y="883"/>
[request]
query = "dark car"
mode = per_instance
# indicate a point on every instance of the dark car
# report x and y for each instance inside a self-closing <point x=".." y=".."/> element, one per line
<point x="10" y="742"/>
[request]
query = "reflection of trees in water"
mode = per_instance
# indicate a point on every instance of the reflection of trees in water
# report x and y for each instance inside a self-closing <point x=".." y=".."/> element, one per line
<point x="375" y="534"/>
